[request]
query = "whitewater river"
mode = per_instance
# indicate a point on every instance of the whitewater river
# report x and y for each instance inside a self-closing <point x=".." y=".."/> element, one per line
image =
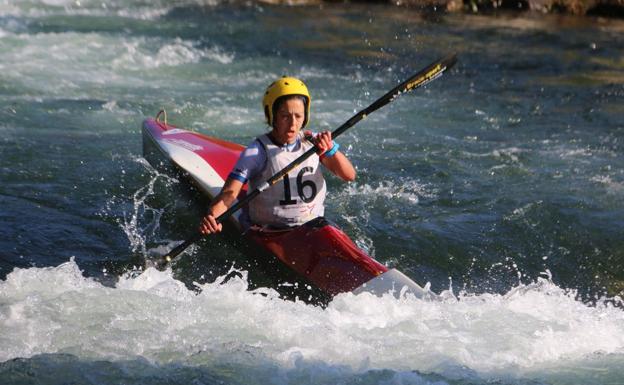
<point x="502" y="181"/>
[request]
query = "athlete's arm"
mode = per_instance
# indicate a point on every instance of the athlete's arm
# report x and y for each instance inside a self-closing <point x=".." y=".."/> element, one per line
<point x="219" y="205"/>
<point x="341" y="166"/>
<point x="337" y="163"/>
<point x="249" y="163"/>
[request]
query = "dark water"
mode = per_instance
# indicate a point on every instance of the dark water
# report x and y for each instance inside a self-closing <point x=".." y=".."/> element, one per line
<point x="503" y="180"/>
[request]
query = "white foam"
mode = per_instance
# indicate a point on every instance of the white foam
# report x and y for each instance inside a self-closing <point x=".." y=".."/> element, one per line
<point x="75" y="65"/>
<point x="138" y="53"/>
<point x="511" y="153"/>
<point x="612" y="186"/>
<point x="532" y="330"/>
<point x="407" y="191"/>
<point x="231" y="115"/>
<point x="135" y="9"/>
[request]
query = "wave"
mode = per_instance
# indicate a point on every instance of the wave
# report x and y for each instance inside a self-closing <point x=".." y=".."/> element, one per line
<point x="529" y="332"/>
<point x="405" y="191"/>
<point x="134" y="9"/>
<point x="77" y="65"/>
<point x="171" y="54"/>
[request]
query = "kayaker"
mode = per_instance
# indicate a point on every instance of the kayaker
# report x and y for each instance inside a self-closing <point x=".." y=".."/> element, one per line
<point x="300" y="197"/>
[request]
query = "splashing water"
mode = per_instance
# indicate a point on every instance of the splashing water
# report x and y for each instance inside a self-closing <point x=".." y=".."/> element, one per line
<point x="533" y="331"/>
<point x="141" y="211"/>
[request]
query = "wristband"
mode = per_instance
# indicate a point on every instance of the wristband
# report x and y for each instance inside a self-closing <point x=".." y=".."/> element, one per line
<point x="332" y="151"/>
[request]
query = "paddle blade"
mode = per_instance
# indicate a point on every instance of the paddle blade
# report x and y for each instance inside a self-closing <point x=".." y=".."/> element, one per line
<point x="162" y="262"/>
<point x="432" y="72"/>
<point x="417" y="80"/>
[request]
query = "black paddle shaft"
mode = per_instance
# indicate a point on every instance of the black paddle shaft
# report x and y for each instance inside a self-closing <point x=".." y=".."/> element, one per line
<point x="419" y="79"/>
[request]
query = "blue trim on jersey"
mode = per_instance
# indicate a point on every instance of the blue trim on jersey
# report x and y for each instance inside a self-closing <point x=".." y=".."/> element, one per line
<point x="253" y="160"/>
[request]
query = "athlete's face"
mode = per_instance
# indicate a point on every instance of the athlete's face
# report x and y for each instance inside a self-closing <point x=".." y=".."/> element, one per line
<point x="289" y="118"/>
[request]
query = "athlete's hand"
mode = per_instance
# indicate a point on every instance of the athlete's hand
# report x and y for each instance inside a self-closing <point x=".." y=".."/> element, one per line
<point x="323" y="142"/>
<point x="209" y="225"/>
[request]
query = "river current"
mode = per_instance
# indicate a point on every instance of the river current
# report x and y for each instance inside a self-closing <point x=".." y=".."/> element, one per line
<point x="502" y="181"/>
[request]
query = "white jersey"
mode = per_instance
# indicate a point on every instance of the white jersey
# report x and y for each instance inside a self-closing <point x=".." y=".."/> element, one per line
<point x="297" y="198"/>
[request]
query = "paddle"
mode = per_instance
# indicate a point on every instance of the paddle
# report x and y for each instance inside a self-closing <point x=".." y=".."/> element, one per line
<point x="419" y="79"/>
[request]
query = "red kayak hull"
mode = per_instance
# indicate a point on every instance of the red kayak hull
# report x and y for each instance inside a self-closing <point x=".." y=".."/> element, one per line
<point x="322" y="253"/>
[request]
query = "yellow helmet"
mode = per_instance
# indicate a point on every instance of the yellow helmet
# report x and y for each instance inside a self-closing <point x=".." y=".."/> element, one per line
<point x="284" y="87"/>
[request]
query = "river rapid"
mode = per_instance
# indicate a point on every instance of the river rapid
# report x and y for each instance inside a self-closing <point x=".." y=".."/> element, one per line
<point x="502" y="181"/>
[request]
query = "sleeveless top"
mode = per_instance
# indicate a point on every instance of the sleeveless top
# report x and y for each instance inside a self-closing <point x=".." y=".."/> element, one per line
<point x="297" y="198"/>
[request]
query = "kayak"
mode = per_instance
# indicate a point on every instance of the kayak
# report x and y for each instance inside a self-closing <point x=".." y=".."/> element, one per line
<point x="318" y="251"/>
